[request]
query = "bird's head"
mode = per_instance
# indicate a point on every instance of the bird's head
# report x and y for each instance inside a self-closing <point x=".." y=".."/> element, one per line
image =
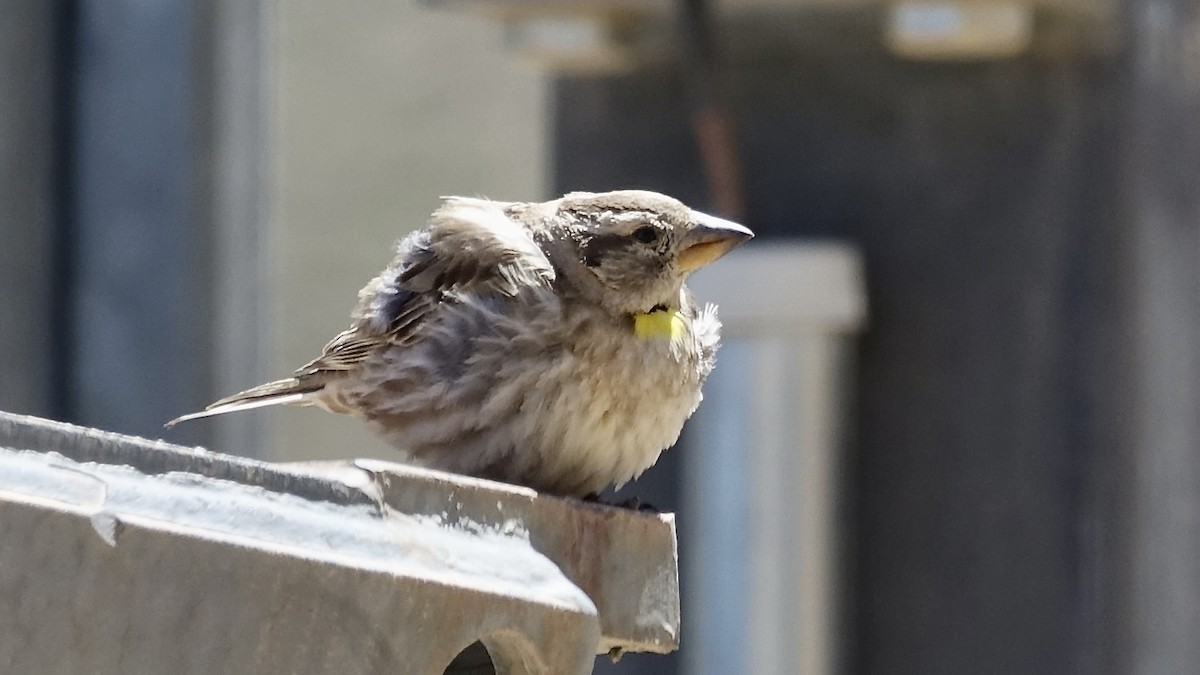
<point x="634" y="249"/>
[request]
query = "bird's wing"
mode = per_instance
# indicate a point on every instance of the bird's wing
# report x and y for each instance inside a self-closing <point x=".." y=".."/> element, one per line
<point x="472" y="244"/>
<point x="470" y="247"/>
<point x="355" y="344"/>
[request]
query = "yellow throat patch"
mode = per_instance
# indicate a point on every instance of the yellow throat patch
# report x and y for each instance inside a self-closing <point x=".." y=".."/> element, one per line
<point x="660" y="324"/>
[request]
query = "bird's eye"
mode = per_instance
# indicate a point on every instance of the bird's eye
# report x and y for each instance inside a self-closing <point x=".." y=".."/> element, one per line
<point x="646" y="235"/>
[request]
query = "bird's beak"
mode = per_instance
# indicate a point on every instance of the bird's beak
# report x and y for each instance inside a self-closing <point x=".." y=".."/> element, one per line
<point x="709" y="239"/>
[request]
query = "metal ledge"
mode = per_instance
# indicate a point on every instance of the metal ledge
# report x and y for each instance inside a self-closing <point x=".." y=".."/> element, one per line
<point x="124" y="555"/>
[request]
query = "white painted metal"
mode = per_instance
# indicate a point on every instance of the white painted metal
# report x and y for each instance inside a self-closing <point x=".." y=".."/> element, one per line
<point x="765" y="455"/>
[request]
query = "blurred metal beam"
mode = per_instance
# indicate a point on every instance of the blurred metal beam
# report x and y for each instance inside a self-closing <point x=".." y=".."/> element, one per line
<point x="27" y="204"/>
<point x="765" y="463"/>
<point x="141" y="307"/>
<point x="605" y="37"/>
<point x="238" y="37"/>
<point x="166" y="214"/>
<point x="1163" y="199"/>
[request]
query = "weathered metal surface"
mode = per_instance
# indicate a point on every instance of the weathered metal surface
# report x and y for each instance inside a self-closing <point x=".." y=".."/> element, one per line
<point x="128" y="555"/>
<point x="626" y="561"/>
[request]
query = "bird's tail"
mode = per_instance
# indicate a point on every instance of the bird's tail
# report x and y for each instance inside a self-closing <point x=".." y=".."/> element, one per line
<point x="280" y="392"/>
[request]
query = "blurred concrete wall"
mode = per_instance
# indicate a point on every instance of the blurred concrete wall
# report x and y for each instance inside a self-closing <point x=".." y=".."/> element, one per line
<point x="377" y="109"/>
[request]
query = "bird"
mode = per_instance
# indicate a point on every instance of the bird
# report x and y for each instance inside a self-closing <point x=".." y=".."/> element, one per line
<point x="552" y="344"/>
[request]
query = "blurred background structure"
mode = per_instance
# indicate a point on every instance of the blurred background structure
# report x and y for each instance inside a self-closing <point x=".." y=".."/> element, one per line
<point x="191" y="194"/>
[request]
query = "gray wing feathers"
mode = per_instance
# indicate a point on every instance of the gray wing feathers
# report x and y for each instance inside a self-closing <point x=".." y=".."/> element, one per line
<point x="473" y="243"/>
<point x="470" y="246"/>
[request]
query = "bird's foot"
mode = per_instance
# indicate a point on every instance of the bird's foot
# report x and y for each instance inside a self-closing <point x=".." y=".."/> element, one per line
<point x="633" y="503"/>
